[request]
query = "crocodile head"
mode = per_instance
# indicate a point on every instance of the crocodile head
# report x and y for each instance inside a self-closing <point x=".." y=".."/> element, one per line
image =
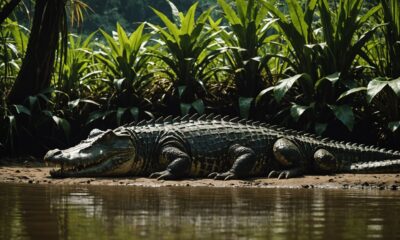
<point x="103" y="153"/>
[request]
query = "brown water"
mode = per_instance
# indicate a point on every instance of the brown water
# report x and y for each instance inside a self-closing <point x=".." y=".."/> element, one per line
<point x="110" y="212"/>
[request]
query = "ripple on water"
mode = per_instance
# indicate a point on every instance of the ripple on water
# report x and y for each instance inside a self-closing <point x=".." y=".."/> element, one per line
<point x="60" y="212"/>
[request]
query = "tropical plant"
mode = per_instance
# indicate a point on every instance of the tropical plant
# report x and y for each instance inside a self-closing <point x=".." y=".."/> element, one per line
<point x="383" y="54"/>
<point x="125" y="64"/>
<point x="34" y="125"/>
<point x="325" y="69"/>
<point x="298" y="31"/>
<point x="77" y="67"/>
<point x="187" y="50"/>
<point x="340" y="31"/>
<point x="13" y="39"/>
<point x="249" y="33"/>
<point x="391" y="13"/>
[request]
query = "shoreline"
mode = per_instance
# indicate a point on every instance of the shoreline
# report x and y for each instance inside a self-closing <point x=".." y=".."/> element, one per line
<point x="36" y="173"/>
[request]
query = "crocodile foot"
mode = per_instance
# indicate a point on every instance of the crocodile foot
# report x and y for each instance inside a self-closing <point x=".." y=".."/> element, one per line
<point x="225" y="176"/>
<point x="163" y="175"/>
<point x="296" y="172"/>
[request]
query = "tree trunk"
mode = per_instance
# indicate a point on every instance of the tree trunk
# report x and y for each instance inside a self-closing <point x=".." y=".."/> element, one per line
<point x="37" y="67"/>
<point x="7" y="9"/>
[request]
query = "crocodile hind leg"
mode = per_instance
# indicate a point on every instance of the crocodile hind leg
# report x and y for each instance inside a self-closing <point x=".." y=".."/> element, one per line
<point x="324" y="161"/>
<point x="244" y="159"/>
<point x="179" y="163"/>
<point x="290" y="158"/>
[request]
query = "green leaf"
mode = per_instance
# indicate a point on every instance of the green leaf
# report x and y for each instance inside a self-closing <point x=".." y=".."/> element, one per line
<point x="275" y="11"/>
<point x="89" y="101"/>
<point x="134" y="112"/>
<point x="120" y="112"/>
<point x="244" y="106"/>
<point x="394" y="126"/>
<point x="351" y="92"/>
<point x="395" y="85"/>
<point x="181" y="90"/>
<point x="74" y="103"/>
<point x="375" y="87"/>
<point x="97" y="115"/>
<point x="119" y="83"/>
<point x="296" y="111"/>
<point x="185" y="108"/>
<point x="263" y="93"/>
<point x="229" y="13"/>
<point x="345" y="114"/>
<point x="188" y="22"/>
<point x="198" y="105"/>
<point x="12" y="123"/>
<point x="22" y="109"/>
<point x="175" y="11"/>
<point x="297" y="17"/>
<point x="63" y="124"/>
<point x="332" y="78"/>
<point x="122" y="36"/>
<point x="284" y="86"/>
<point x="320" y="128"/>
<point x="172" y="28"/>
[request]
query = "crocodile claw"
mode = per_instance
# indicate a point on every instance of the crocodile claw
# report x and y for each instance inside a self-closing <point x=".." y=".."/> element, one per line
<point x="163" y="175"/>
<point x="273" y="174"/>
<point x="285" y="174"/>
<point x="280" y="174"/>
<point x="223" y="176"/>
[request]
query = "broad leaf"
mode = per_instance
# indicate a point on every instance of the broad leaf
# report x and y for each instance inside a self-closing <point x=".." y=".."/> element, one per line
<point x="120" y="112"/>
<point x="198" y="105"/>
<point x="244" y="106"/>
<point x="296" y="111"/>
<point x="351" y="92"/>
<point x="297" y="17"/>
<point x="284" y="86"/>
<point x="378" y="84"/>
<point x="22" y="109"/>
<point x="229" y="13"/>
<point x="394" y="126"/>
<point x="181" y="90"/>
<point x="320" y="128"/>
<point x="185" y="108"/>
<point x="345" y="114"/>
<point x="63" y="124"/>
<point x="134" y="112"/>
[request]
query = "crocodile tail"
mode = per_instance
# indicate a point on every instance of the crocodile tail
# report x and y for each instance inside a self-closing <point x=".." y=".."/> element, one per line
<point x="381" y="166"/>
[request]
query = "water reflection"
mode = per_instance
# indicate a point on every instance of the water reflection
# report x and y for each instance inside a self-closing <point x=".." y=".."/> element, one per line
<point x="63" y="212"/>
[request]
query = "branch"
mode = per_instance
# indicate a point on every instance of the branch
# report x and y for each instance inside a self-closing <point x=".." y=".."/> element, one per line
<point x="7" y="9"/>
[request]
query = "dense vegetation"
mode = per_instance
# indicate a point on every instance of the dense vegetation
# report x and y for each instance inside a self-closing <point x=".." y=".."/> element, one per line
<point x="131" y="13"/>
<point x="326" y="67"/>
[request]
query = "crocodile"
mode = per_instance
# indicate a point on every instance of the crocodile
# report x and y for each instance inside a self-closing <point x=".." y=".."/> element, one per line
<point x="216" y="147"/>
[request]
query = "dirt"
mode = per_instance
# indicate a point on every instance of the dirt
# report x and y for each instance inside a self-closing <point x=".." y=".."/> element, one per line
<point x="24" y="171"/>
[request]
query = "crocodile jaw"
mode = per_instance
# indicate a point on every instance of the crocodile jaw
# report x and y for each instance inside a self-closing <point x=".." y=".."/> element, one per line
<point x="118" y="164"/>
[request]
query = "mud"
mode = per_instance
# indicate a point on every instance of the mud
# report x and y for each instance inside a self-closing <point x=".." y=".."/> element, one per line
<point x="31" y="172"/>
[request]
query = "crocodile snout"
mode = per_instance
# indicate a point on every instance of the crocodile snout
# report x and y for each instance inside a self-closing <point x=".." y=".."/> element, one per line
<point x="51" y="154"/>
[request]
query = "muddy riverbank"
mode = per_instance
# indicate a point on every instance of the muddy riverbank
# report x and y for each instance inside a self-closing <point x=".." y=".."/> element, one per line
<point x="22" y="171"/>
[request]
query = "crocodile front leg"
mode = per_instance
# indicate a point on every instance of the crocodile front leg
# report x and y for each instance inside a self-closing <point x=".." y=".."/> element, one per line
<point x="179" y="164"/>
<point x="289" y="156"/>
<point x="244" y="159"/>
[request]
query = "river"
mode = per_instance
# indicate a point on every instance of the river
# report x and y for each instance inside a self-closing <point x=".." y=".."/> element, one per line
<point x="126" y="212"/>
